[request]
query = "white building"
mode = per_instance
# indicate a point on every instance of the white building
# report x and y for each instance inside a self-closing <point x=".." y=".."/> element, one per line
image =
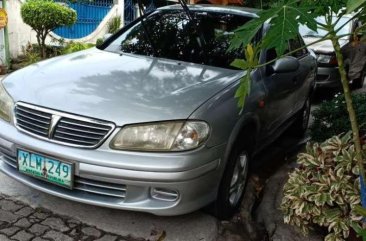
<point x="20" y="34"/>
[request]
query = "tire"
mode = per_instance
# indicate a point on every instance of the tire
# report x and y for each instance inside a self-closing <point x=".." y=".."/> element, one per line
<point x="358" y="83"/>
<point x="302" y="120"/>
<point x="232" y="186"/>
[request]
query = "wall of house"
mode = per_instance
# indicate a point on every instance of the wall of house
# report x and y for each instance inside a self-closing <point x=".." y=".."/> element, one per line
<point x="2" y="44"/>
<point x="20" y="34"/>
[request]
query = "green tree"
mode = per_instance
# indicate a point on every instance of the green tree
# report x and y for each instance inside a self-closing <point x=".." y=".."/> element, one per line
<point x="285" y="18"/>
<point x="44" y="16"/>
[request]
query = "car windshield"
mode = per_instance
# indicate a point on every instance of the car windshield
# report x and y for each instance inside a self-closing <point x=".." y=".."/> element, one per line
<point x="308" y="33"/>
<point x="170" y="34"/>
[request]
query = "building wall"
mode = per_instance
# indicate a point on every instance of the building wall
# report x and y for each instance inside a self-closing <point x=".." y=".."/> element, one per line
<point x="2" y="44"/>
<point x="20" y="34"/>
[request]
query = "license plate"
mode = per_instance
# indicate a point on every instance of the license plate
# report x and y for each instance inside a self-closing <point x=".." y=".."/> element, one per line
<point x="46" y="168"/>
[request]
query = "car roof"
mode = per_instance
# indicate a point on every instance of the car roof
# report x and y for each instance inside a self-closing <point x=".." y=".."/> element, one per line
<point x="243" y="11"/>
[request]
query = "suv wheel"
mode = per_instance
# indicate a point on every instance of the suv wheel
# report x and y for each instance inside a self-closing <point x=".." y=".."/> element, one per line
<point x="302" y="120"/>
<point x="232" y="185"/>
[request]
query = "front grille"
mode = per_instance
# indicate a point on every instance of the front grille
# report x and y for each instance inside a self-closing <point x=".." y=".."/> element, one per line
<point x="8" y="158"/>
<point x="110" y="191"/>
<point x="101" y="188"/>
<point x="80" y="133"/>
<point x="33" y="121"/>
<point x="60" y="127"/>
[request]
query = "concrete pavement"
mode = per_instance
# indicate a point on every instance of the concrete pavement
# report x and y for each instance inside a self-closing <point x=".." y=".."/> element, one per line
<point x="195" y="226"/>
<point x="20" y="222"/>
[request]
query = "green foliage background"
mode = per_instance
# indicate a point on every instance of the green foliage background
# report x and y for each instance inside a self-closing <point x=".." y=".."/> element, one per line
<point x="331" y="117"/>
<point x="114" y="25"/>
<point x="73" y="47"/>
<point x="46" y="14"/>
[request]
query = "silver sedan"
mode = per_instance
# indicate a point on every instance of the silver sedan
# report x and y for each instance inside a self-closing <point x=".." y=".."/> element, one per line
<point x="148" y="121"/>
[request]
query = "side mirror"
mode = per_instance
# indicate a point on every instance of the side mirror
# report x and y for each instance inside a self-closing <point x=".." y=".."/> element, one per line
<point x="286" y="64"/>
<point x="107" y="36"/>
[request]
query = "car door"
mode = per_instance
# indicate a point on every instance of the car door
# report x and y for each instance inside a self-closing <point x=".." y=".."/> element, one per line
<point x="305" y="74"/>
<point x="278" y="102"/>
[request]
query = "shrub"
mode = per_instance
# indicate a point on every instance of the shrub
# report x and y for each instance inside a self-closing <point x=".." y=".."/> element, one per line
<point x="75" y="47"/>
<point x="331" y="117"/>
<point x="30" y="55"/>
<point x="114" y="25"/>
<point x="50" y="50"/>
<point x="99" y="42"/>
<point x="31" y="58"/>
<point x="324" y="189"/>
<point x="44" y="16"/>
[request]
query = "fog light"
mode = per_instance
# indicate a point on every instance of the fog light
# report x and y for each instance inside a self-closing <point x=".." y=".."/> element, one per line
<point x="164" y="194"/>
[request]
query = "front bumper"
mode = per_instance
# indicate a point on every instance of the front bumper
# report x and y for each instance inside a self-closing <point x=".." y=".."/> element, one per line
<point x="123" y="180"/>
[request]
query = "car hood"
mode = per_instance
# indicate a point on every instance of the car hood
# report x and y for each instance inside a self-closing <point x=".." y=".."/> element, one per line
<point x="324" y="47"/>
<point x="120" y="88"/>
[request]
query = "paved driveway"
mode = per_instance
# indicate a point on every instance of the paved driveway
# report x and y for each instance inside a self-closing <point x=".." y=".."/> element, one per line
<point x="196" y="226"/>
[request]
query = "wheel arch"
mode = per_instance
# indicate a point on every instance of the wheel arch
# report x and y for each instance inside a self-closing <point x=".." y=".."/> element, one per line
<point x="247" y="124"/>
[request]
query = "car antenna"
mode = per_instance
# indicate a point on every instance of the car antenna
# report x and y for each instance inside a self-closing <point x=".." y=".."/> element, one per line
<point x="141" y="7"/>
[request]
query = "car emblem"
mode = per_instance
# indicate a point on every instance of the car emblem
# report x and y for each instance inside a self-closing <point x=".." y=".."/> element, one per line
<point x="55" y="119"/>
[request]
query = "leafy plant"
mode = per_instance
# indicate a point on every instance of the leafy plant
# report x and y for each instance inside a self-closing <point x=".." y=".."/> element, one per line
<point x="285" y="19"/>
<point x="50" y="50"/>
<point x="75" y="47"/>
<point x="31" y="55"/>
<point x="32" y="58"/>
<point x="330" y="118"/>
<point x="44" y="16"/>
<point x="325" y="188"/>
<point x="114" y="25"/>
<point x="361" y="232"/>
<point x="99" y="42"/>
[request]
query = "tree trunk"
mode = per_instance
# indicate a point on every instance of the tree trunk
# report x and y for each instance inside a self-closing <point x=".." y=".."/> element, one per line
<point x="40" y="44"/>
<point x="349" y="103"/>
<point x="44" y="46"/>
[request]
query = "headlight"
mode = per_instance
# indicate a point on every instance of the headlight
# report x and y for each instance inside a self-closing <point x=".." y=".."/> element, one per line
<point x="6" y="104"/>
<point x="162" y="136"/>
<point x="327" y="59"/>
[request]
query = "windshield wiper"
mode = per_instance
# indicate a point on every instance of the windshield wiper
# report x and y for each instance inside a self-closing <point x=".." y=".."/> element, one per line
<point x="201" y="39"/>
<point x="145" y="29"/>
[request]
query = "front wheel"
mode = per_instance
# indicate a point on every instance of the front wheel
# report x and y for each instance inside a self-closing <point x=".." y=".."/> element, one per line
<point x="232" y="185"/>
<point x="302" y="120"/>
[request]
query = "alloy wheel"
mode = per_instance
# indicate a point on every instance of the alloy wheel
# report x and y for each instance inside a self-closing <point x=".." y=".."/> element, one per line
<point x="306" y="115"/>
<point x="238" y="179"/>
